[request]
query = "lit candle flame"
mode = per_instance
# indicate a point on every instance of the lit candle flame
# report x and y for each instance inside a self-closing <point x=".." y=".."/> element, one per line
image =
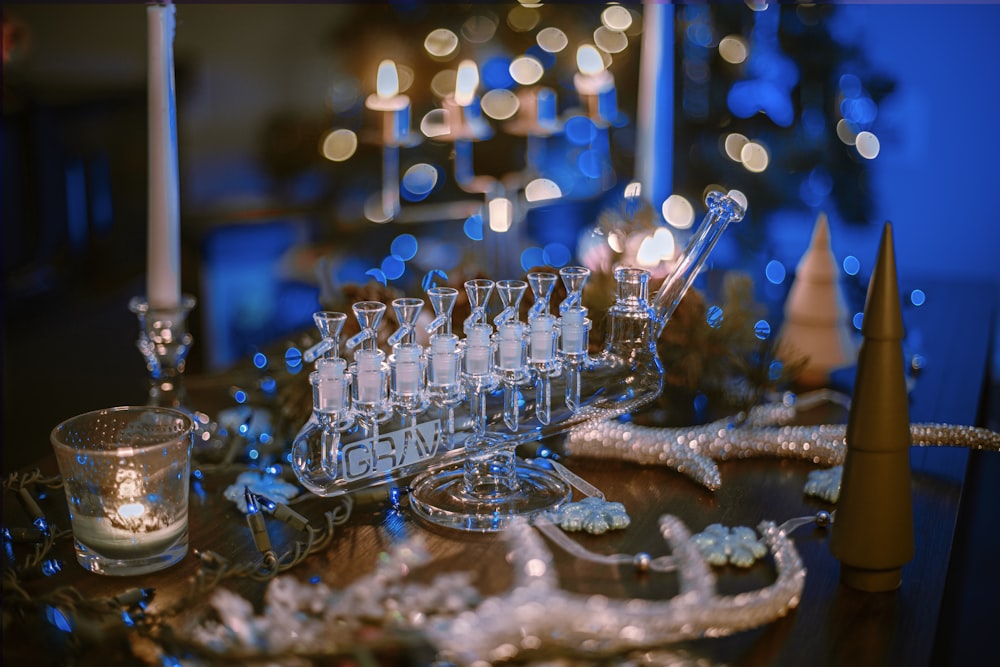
<point x="501" y="214"/>
<point x="387" y="83"/>
<point x="131" y="510"/>
<point x="589" y="60"/>
<point x="466" y="83"/>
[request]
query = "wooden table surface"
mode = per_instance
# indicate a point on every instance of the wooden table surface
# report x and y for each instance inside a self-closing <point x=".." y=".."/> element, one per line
<point x="833" y="625"/>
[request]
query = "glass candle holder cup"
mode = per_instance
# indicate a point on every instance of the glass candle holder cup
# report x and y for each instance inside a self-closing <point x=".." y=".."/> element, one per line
<point x="126" y="473"/>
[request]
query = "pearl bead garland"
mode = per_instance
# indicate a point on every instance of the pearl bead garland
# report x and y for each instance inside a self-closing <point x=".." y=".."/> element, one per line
<point x="693" y="451"/>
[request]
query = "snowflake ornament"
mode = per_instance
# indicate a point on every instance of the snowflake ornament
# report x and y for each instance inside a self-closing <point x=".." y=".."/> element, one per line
<point x="263" y="484"/>
<point x="739" y="546"/>
<point x="593" y="515"/>
<point x="825" y="484"/>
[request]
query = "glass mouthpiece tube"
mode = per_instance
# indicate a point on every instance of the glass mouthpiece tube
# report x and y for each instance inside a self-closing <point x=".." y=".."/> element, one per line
<point x="318" y="350"/>
<point x="359" y="338"/>
<point x="722" y="210"/>
<point x="399" y="334"/>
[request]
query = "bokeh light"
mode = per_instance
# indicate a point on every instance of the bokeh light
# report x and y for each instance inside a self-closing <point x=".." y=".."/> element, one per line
<point x="775" y="272"/>
<point x="375" y="209"/>
<point x="339" y="145"/>
<point x="762" y="329"/>
<point x="473" y="227"/>
<point x="443" y="82"/>
<point x="755" y="157"/>
<point x="418" y="181"/>
<point x="378" y="275"/>
<point x="867" y="144"/>
<point x="556" y="254"/>
<point x="657" y="247"/>
<point x="434" y="123"/>
<point x="733" y="49"/>
<point x="392" y="267"/>
<point x="616" y="17"/>
<point x="522" y="18"/>
<point x="552" y="40"/>
<point x="526" y="70"/>
<point x="734" y="143"/>
<point x="678" y="211"/>
<point x="500" y="104"/>
<point x="404" y="247"/>
<point x="441" y="43"/>
<point x="466" y="82"/>
<point x="610" y="41"/>
<point x="589" y="60"/>
<point x="501" y="212"/>
<point x="845" y="132"/>
<point x="532" y="257"/>
<point x="541" y="189"/>
<point x="495" y="72"/>
<point x="479" y="29"/>
<point x="580" y="130"/>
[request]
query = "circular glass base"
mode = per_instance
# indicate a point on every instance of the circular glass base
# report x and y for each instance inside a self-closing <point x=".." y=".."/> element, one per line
<point x="125" y="567"/>
<point x="441" y="497"/>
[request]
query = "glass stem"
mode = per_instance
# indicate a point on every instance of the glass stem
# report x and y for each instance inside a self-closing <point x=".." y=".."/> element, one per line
<point x="543" y="398"/>
<point x="573" y="385"/>
<point x="479" y="411"/>
<point x="511" y="409"/>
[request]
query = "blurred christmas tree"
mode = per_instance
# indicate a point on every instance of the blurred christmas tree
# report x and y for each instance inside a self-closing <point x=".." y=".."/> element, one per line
<point x="771" y="102"/>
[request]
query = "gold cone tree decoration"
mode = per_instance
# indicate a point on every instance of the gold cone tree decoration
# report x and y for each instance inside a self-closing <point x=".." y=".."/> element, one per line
<point x="873" y="531"/>
<point x="816" y="324"/>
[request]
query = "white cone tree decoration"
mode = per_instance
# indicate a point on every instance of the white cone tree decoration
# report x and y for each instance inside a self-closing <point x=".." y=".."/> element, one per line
<point x="816" y="325"/>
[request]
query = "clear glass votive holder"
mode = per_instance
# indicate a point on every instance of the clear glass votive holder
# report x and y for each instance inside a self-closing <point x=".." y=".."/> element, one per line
<point x="126" y="472"/>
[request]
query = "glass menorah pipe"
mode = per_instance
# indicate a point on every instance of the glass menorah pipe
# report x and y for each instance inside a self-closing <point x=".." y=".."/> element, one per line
<point x="624" y="376"/>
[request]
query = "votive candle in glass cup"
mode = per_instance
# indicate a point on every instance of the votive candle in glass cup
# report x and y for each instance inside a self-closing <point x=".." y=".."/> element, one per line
<point x="126" y="472"/>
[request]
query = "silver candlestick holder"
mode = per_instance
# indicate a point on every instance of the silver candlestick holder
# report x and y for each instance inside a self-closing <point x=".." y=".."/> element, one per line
<point x="164" y="341"/>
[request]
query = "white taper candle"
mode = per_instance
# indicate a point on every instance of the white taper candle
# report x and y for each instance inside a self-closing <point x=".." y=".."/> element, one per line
<point x="163" y="251"/>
